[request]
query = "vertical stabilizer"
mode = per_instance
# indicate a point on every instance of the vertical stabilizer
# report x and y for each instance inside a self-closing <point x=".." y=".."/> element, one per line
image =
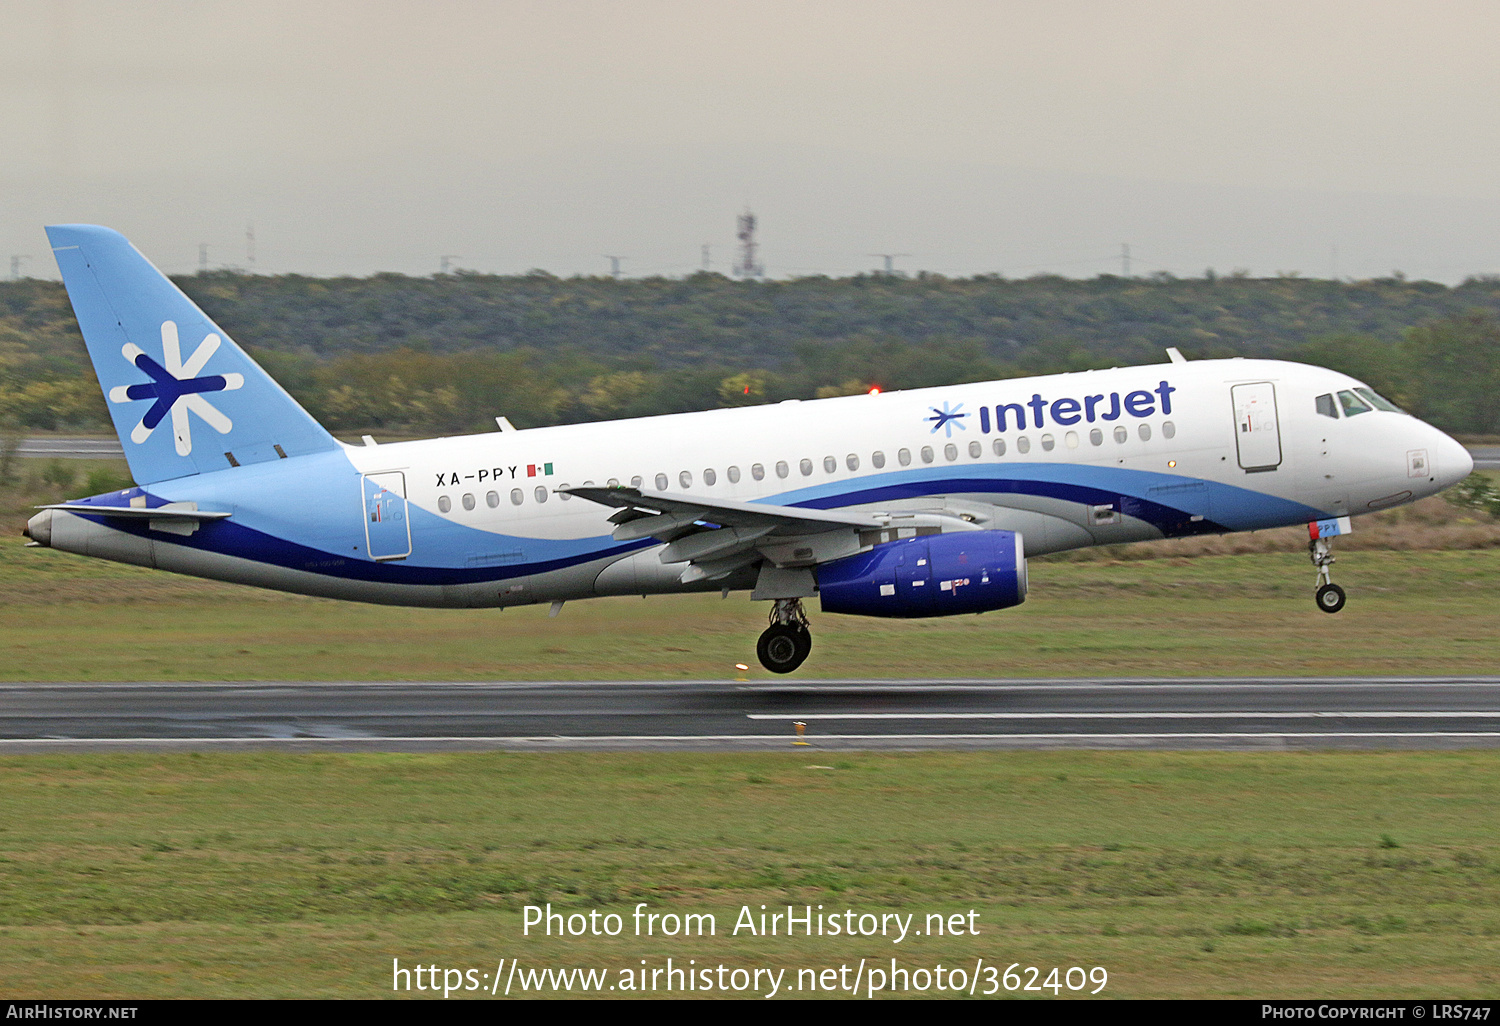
<point x="185" y="399"/>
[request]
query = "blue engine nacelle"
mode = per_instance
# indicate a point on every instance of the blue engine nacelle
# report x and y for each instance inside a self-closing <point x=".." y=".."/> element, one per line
<point x="941" y="574"/>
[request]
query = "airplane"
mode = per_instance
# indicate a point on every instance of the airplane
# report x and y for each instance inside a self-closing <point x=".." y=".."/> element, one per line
<point x="916" y="503"/>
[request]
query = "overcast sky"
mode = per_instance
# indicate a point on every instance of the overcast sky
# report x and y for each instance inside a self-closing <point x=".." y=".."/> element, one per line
<point x="1348" y="139"/>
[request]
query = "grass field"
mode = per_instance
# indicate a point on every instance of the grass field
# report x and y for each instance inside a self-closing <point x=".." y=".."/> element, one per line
<point x="1183" y="874"/>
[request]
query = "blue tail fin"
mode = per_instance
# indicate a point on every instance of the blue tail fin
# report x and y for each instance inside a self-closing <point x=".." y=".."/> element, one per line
<point x="184" y="398"/>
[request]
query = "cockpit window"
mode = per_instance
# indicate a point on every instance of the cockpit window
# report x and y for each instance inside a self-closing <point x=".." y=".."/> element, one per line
<point x="1378" y="401"/>
<point x="1326" y="406"/>
<point x="1352" y="404"/>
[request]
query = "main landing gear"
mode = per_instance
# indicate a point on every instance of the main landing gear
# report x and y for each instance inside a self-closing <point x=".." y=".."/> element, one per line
<point x="1329" y="596"/>
<point x="785" y="644"/>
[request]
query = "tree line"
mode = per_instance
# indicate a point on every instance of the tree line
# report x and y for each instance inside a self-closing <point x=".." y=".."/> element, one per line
<point x="450" y="352"/>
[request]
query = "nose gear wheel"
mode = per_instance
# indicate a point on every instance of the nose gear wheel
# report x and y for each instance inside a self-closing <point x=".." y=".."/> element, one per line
<point x="1329" y="596"/>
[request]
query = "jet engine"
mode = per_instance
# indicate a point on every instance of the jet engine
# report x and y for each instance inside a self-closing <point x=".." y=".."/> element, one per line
<point x="937" y="575"/>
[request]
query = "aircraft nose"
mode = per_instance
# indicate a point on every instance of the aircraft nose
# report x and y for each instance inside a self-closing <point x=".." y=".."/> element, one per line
<point x="1454" y="462"/>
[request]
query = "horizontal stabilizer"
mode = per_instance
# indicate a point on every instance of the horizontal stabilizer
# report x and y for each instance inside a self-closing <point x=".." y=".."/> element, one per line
<point x="169" y="512"/>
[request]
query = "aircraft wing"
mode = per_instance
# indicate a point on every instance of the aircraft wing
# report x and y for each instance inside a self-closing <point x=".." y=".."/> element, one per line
<point x="718" y="536"/>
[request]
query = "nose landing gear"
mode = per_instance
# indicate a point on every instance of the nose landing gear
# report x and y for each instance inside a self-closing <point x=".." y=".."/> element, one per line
<point x="785" y="644"/>
<point x="1329" y="596"/>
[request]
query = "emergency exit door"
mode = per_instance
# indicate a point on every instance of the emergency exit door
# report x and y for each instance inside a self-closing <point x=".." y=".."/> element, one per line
<point x="387" y="531"/>
<point x="1257" y="430"/>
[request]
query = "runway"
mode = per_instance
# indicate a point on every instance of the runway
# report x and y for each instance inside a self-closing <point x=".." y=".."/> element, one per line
<point x="705" y="715"/>
<point x="69" y="448"/>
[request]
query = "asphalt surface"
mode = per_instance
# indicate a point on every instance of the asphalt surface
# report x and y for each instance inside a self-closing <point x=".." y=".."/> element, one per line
<point x="701" y="715"/>
<point x="71" y="448"/>
<point x="1486" y="457"/>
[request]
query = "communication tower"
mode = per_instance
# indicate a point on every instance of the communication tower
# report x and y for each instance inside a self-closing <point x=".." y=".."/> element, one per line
<point x="747" y="266"/>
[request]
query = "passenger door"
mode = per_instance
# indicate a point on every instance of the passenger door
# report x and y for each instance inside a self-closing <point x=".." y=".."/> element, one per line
<point x="1257" y="429"/>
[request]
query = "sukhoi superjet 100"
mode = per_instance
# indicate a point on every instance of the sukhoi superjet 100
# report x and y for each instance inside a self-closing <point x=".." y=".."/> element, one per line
<point x="914" y="503"/>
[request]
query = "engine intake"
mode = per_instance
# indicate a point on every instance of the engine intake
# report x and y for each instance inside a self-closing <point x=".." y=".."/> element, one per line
<point x="938" y="575"/>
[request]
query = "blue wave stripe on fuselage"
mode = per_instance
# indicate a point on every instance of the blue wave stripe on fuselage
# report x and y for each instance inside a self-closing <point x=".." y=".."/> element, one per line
<point x="1224" y="507"/>
<point x="438" y="540"/>
<point x="231" y="539"/>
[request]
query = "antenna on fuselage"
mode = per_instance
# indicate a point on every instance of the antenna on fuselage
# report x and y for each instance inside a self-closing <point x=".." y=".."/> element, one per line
<point x="1175" y="356"/>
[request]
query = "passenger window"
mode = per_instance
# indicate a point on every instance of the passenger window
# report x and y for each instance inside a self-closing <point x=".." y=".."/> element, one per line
<point x="878" y="459"/>
<point x="999" y="447"/>
<point x="635" y="482"/>
<point x="685" y="480"/>
<point x="1048" y="442"/>
<point x="1071" y="439"/>
<point x="926" y="454"/>
<point x="851" y="461"/>
<point x="1145" y="430"/>
<point x="806" y="467"/>
<point x="975" y="450"/>
<point x="541" y="493"/>
<point x="1023" y="444"/>
<point x="1096" y="437"/>
<point x="734" y="475"/>
<point x="758" y="472"/>
<point x="830" y="464"/>
<point x="903" y="456"/>
<point x="445" y="504"/>
<point x="1121" y="435"/>
<point x="1378" y="401"/>
<point x="1168" y="429"/>
<point x="709" y="477"/>
<point x="950" y="452"/>
<point x="661" y="482"/>
<point x="613" y="482"/>
<point x="1352" y="404"/>
<point x="468" y="500"/>
<point x="782" y="470"/>
<point x="516" y="497"/>
<point x="1326" y="406"/>
<point x="492" y="499"/>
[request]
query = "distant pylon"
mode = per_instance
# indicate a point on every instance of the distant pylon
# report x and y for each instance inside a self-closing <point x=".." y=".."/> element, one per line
<point x="890" y="262"/>
<point x="747" y="266"/>
<point x="707" y="264"/>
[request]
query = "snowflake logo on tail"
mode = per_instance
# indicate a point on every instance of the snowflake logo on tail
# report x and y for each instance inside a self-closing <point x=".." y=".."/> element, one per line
<point x="176" y="388"/>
